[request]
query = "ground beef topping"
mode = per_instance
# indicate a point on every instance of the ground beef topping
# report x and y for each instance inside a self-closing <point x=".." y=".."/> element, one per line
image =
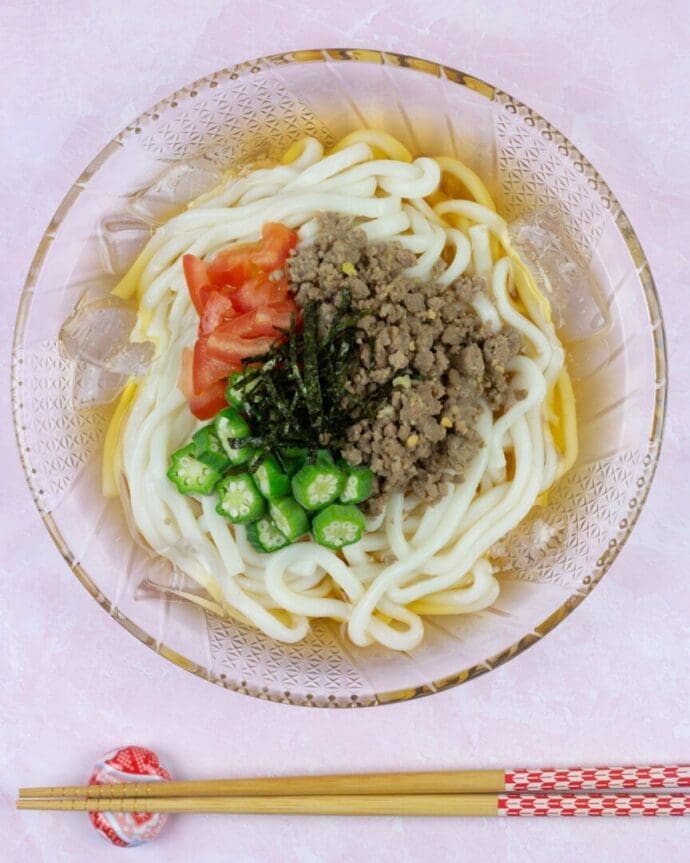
<point x="425" y="338"/>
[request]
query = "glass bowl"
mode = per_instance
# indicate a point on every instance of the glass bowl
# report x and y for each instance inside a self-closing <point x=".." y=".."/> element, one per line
<point x="609" y="321"/>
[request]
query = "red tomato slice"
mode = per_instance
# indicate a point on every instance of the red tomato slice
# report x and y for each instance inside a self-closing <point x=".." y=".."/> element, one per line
<point x="208" y="368"/>
<point x="210" y="402"/>
<point x="234" y="349"/>
<point x="272" y="318"/>
<point x="261" y="322"/>
<point x="276" y="242"/>
<point x="197" y="278"/>
<point x="243" y="326"/>
<point x="205" y="405"/>
<point x="236" y="265"/>
<point x="259" y="292"/>
<point x="233" y="266"/>
<point x="218" y="308"/>
<point x="240" y="322"/>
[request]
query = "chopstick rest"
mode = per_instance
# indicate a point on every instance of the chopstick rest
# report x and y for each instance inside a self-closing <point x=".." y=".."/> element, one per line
<point x="129" y="764"/>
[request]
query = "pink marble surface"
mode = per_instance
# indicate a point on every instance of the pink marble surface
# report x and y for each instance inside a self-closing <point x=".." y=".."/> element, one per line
<point x="610" y="684"/>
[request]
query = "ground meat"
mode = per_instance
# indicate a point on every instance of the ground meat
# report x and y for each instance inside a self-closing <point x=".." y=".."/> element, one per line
<point x="427" y="338"/>
<point x="470" y="361"/>
<point x="498" y="350"/>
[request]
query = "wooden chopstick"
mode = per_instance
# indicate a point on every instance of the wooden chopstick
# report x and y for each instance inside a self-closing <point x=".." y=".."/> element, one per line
<point x="573" y="779"/>
<point x="406" y="804"/>
<point x="388" y="804"/>
<point x="458" y="782"/>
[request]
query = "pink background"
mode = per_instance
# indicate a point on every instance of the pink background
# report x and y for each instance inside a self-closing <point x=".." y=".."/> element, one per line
<point x="609" y="685"/>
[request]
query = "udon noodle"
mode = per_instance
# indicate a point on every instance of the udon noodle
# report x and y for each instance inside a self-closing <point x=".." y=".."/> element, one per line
<point x="415" y="559"/>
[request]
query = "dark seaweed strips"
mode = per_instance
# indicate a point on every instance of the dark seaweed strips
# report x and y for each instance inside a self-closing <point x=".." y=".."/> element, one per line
<point x="298" y="396"/>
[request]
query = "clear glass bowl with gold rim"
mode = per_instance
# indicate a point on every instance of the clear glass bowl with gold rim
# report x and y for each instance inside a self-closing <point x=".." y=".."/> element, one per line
<point x="609" y="320"/>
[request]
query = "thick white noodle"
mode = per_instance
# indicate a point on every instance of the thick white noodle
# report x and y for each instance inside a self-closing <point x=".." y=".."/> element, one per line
<point x="412" y="552"/>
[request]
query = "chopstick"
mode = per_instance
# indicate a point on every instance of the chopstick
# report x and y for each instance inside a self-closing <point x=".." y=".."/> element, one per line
<point x="573" y="779"/>
<point x="511" y="804"/>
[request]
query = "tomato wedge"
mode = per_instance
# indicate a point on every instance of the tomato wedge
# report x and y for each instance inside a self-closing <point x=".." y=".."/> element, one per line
<point x="259" y="292"/>
<point x="209" y="403"/>
<point x="232" y="267"/>
<point x="203" y="405"/>
<point x="241" y="309"/>
<point x="209" y="367"/>
<point x="236" y="265"/>
<point x="276" y="242"/>
<point x="261" y="322"/>
<point x="234" y="349"/>
<point x="197" y="278"/>
<point x="218" y="309"/>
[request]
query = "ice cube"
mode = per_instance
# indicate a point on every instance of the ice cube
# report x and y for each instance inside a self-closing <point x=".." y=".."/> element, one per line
<point x="174" y="189"/>
<point x="161" y="574"/>
<point x="96" y="337"/>
<point x="97" y="329"/>
<point x="98" y="332"/>
<point x="541" y="239"/>
<point x="93" y="386"/>
<point x="120" y="241"/>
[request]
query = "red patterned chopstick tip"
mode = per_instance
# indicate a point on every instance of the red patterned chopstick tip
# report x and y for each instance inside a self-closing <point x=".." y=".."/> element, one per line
<point x="598" y="778"/>
<point x="597" y="805"/>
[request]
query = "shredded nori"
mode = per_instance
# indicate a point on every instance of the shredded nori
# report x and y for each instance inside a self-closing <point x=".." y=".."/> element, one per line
<point x="297" y="395"/>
